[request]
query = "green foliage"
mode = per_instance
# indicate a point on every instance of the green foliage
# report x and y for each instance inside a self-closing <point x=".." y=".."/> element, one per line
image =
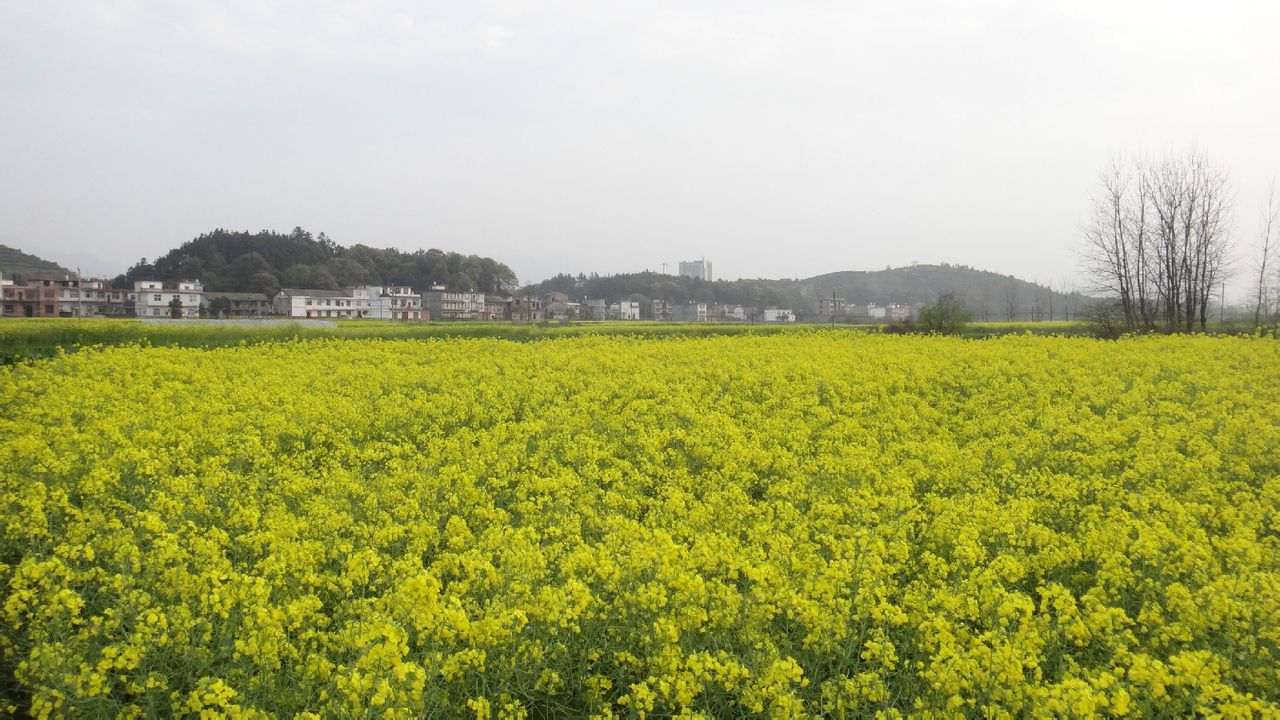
<point x="229" y="261"/>
<point x="989" y="296"/>
<point x="946" y="316"/>
<point x="33" y="339"/>
<point x="19" y="266"/>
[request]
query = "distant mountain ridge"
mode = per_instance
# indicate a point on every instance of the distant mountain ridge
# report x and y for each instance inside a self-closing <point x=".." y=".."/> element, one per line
<point x="989" y="296"/>
<point x="18" y="265"/>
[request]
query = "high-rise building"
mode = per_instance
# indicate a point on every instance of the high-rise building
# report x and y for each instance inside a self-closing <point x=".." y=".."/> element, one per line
<point x="700" y="269"/>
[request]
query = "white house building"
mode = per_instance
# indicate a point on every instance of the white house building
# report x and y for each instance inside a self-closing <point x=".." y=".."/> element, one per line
<point x="779" y="315"/>
<point x="388" y="302"/>
<point x="158" y="299"/>
<point x="626" y="310"/>
<point x="328" y="304"/>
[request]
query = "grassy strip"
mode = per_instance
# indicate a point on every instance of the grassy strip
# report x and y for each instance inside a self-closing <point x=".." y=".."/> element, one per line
<point x="33" y="339"/>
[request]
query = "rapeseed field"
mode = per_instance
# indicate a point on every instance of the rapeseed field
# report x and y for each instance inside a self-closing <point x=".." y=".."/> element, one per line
<point x="803" y="524"/>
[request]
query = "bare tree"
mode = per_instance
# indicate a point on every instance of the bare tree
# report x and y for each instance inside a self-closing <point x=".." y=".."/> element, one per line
<point x="1010" y="299"/>
<point x="1270" y="221"/>
<point x="1159" y="238"/>
<point x="1116" y="249"/>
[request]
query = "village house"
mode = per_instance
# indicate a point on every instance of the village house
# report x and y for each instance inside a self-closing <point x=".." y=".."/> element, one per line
<point x="317" y="304"/>
<point x="497" y="307"/>
<point x="444" y="304"/>
<point x="237" y="305"/>
<point x="160" y="299"/>
<point x="689" y="312"/>
<point x="832" y="307"/>
<point x="558" y="306"/>
<point x="65" y="298"/>
<point x="525" y="309"/>
<point x="388" y="302"/>
<point x="597" y="309"/>
<point x="625" y="310"/>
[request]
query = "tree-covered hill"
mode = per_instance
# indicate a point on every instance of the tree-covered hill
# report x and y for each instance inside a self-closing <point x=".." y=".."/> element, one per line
<point x="19" y="266"/>
<point x="231" y="261"/>
<point x="990" y="296"/>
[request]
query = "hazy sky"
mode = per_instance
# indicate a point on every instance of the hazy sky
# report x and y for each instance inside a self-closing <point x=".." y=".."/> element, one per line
<point x="777" y="139"/>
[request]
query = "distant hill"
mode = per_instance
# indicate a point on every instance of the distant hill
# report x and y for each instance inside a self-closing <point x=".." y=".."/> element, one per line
<point x="19" y="266"/>
<point x="230" y="261"/>
<point x="990" y="296"/>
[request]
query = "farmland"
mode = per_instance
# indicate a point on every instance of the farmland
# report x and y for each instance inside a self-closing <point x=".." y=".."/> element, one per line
<point x="777" y="524"/>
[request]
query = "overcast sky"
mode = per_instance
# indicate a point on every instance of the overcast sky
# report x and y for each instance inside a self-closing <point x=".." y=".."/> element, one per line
<point x="780" y="139"/>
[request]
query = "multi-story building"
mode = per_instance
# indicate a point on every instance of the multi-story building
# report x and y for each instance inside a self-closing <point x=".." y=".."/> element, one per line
<point x="65" y="298"/>
<point x="391" y="302"/>
<point x="318" y="304"/>
<point x="558" y="306"/>
<point x="899" y="312"/>
<point x="237" y="305"/>
<point x="32" y="299"/>
<point x="99" y="299"/>
<point x="779" y="315"/>
<point x="526" y="309"/>
<point x="597" y="309"/>
<point x="444" y="304"/>
<point x="829" y="308"/>
<point x="738" y="313"/>
<point x="689" y="312"/>
<point x="626" y="310"/>
<point x="700" y="269"/>
<point x="497" y="307"/>
<point x="661" y="310"/>
<point x="159" y="299"/>
<point x="877" y="312"/>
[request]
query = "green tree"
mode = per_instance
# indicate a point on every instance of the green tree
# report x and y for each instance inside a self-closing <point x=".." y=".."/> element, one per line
<point x="220" y="307"/>
<point x="947" y="315"/>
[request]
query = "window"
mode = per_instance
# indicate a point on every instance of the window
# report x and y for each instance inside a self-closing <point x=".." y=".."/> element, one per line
<point x="155" y="298"/>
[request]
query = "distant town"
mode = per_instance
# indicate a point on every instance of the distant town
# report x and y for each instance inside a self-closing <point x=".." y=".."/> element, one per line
<point x="188" y="300"/>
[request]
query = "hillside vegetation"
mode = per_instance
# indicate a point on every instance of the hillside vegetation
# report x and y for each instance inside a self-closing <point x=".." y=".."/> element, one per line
<point x="988" y="295"/>
<point x="264" y="262"/>
<point x="19" y="266"/>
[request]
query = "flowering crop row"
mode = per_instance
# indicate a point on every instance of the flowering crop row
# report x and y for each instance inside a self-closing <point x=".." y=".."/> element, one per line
<point x="802" y="524"/>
